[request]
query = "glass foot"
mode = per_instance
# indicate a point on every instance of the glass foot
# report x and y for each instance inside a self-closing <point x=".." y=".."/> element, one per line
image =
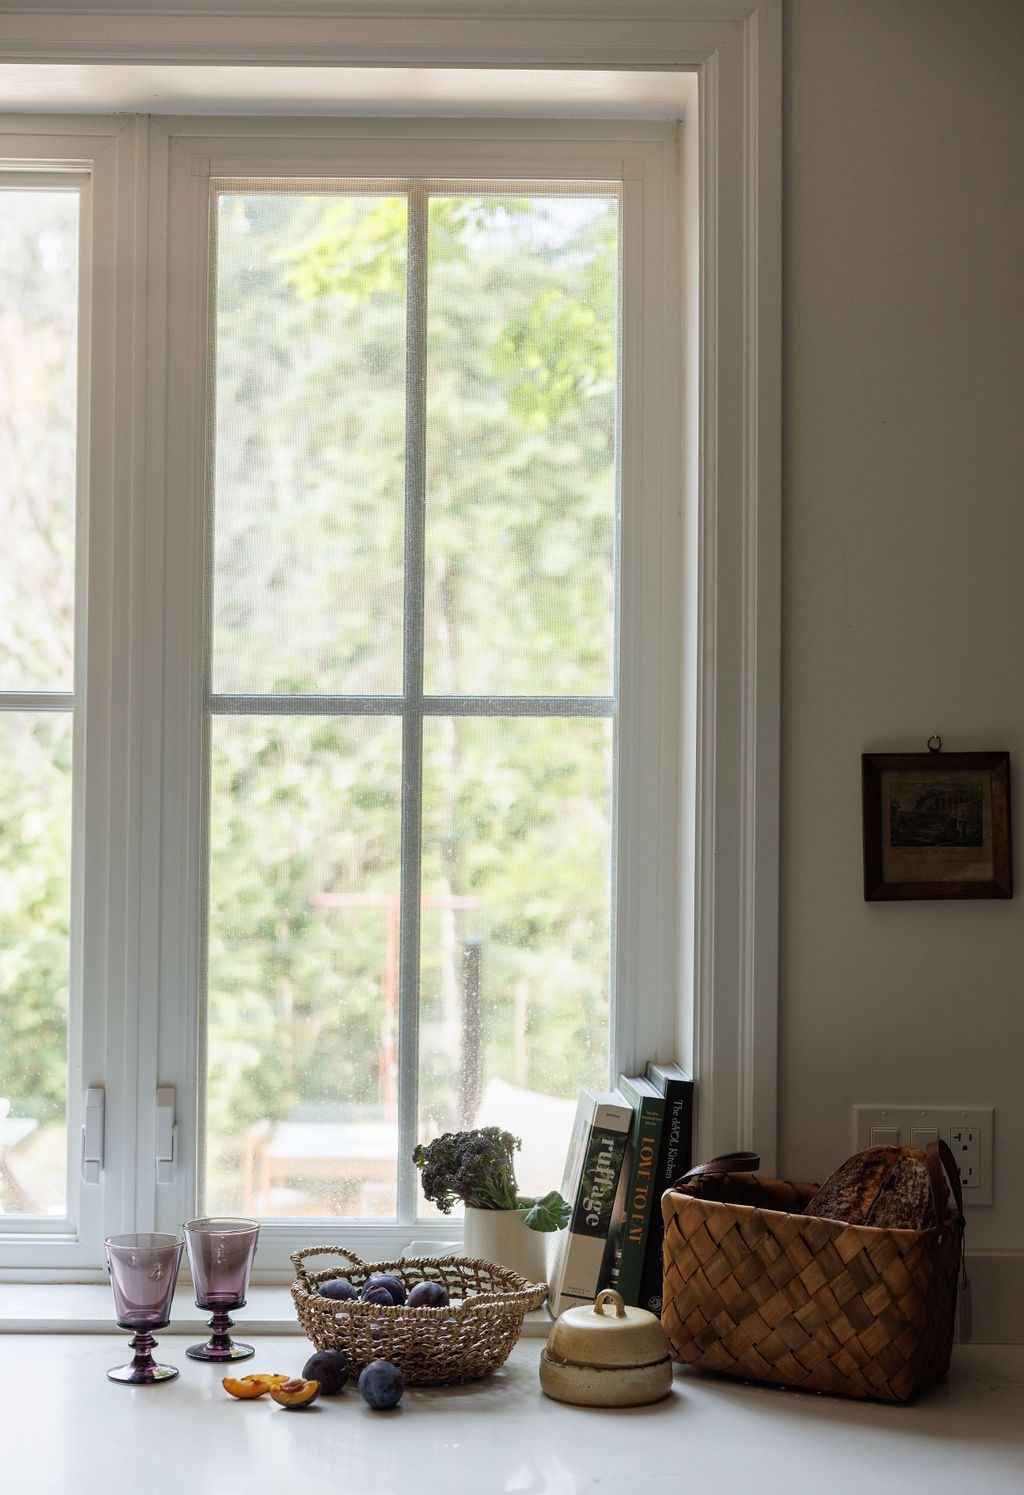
<point x="144" y="1370"/>
<point x="220" y="1347"/>
<point x="233" y="1350"/>
<point x="148" y="1375"/>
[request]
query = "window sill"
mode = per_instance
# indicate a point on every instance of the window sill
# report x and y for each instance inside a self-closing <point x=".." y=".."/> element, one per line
<point x="87" y="1308"/>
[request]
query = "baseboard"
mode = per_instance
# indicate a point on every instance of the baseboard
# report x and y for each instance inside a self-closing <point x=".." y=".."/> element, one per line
<point x="997" y="1296"/>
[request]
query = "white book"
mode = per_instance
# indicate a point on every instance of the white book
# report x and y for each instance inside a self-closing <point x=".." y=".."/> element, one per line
<point x="581" y="1253"/>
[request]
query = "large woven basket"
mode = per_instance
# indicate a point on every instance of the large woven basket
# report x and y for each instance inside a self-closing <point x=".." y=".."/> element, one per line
<point x="756" y="1289"/>
<point x="431" y="1346"/>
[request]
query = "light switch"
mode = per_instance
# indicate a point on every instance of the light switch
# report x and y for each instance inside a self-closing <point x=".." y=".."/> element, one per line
<point x="969" y="1130"/>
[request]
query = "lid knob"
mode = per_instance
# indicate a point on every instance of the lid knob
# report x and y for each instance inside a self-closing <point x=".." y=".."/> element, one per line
<point x="609" y="1295"/>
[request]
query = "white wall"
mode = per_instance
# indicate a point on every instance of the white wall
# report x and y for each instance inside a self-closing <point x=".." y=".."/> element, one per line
<point x="903" y="550"/>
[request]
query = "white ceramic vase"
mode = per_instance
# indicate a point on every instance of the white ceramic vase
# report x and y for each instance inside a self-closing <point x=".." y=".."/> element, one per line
<point x="499" y="1236"/>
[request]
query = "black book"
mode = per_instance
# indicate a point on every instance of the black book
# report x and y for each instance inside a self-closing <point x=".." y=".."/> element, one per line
<point x="675" y="1157"/>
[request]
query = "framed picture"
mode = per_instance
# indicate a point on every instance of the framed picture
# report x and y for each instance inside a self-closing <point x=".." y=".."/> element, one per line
<point x="936" y="825"/>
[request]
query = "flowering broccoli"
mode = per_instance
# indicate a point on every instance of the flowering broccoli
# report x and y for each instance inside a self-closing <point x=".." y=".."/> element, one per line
<point x="478" y="1168"/>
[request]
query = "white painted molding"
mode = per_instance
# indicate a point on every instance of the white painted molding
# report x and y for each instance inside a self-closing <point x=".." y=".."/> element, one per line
<point x="735" y="1009"/>
<point x="292" y="11"/>
<point x="574" y="33"/>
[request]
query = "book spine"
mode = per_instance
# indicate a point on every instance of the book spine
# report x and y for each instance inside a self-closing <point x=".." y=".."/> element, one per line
<point x="583" y="1249"/>
<point x="674" y="1159"/>
<point x="640" y="1194"/>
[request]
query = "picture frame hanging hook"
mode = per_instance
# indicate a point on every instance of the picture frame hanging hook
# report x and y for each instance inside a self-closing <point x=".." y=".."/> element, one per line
<point x="934" y="743"/>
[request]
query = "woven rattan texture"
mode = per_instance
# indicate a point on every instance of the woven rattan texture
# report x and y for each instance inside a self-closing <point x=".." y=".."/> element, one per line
<point x="430" y="1346"/>
<point x="756" y="1291"/>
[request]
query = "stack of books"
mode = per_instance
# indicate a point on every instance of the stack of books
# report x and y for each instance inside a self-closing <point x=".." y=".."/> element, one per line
<point x="628" y="1146"/>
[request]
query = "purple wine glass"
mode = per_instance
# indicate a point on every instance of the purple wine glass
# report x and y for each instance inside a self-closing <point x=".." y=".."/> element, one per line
<point x="220" y="1253"/>
<point x="143" y="1272"/>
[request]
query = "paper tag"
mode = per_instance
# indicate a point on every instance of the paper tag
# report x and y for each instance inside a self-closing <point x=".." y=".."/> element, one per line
<point x="963" y="1308"/>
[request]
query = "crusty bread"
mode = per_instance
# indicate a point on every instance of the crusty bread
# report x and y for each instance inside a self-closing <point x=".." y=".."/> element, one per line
<point x="887" y="1187"/>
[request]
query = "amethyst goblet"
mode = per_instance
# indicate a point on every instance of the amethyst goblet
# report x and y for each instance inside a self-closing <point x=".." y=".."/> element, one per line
<point x="220" y="1253"/>
<point x="143" y="1271"/>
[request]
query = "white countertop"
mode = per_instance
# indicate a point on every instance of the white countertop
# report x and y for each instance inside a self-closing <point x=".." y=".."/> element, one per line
<point x="65" y="1429"/>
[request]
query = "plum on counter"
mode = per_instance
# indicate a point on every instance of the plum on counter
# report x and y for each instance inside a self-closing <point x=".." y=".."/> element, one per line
<point x="330" y="1368"/>
<point x="250" y="1387"/>
<point x="381" y="1385"/>
<point x="296" y="1394"/>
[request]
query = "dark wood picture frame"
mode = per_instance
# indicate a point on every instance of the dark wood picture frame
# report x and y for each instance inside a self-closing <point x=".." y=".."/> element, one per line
<point x="947" y="817"/>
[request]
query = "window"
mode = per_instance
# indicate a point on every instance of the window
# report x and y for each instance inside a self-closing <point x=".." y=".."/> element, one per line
<point x="65" y="651"/>
<point x="413" y="483"/>
<point x="383" y="796"/>
<point x="40" y="685"/>
<point x="319" y="803"/>
<point x="407" y="517"/>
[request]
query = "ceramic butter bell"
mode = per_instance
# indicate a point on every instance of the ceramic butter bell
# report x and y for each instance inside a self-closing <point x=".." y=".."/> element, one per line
<point x="606" y="1356"/>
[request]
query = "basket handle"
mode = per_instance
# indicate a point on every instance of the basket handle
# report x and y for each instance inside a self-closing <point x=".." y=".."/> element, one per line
<point x="726" y="1162"/>
<point x="298" y="1257"/>
<point x="940" y="1160"/>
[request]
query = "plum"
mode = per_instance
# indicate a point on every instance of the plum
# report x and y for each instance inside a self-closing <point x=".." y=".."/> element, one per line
<point x="296" y="1394"/>
<point x="338" y="1291"/>
<point x="427" y="1295"/>
<point x="381" y="1385"/>
<point x="330" y="1368"/>
<point x="379" y="1295"/>
<point x="252" y="1386"/>
<point x="390" y="1283"/>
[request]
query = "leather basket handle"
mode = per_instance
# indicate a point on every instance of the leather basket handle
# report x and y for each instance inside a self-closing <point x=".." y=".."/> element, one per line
<point x="937" y="1156"/>
<point x="726" y="1162"/>
<point x="940" y="1160"/>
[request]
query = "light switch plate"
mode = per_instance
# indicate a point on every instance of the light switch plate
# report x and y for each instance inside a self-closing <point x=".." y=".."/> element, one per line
<point x="916" y="1125"/>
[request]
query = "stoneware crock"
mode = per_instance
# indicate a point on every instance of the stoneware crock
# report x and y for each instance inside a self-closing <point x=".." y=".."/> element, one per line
<point x="500" y="1236"/>
<point x="606" y="1355"/>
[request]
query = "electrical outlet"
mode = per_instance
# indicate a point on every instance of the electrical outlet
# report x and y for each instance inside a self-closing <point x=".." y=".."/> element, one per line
<point x="966" y="1129"/>
<point x="965" y="1145"/>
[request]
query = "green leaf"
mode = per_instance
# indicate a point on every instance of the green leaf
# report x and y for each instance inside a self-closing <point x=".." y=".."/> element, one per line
<point x="549" y="1213"/>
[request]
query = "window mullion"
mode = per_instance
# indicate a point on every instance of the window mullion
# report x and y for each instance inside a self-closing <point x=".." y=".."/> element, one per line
<point x="29" y="700"/>
<point x="412" y="718"/>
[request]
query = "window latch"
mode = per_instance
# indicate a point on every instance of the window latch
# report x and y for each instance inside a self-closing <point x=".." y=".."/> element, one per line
<point x="92" y="1135"/>
<point x="166" y="1135"/>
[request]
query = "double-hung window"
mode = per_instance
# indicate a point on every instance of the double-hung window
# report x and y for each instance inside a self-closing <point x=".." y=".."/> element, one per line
<point x="389" y="604"/>
<point x="382" y="801"/>
<point x="410" y="734"/>
<point x="411" y="539"/>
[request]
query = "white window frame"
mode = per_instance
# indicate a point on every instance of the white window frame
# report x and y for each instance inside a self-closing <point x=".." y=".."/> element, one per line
<point x="99" y="158"/>
<point x="722" y="892"/>
<point x="643" y="158"/>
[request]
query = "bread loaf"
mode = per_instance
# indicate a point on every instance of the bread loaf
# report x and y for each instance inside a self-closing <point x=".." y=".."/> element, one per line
<point x="888" y="1187"/>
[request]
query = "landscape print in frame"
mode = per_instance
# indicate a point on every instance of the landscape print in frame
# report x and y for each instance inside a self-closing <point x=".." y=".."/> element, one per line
<point x="936" y="825"/>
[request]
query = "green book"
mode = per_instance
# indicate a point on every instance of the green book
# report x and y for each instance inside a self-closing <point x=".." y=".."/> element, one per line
<point x="641" y="1195"/>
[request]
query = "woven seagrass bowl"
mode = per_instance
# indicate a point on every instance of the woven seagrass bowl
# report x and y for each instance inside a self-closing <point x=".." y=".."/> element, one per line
<point x="431" y="1346"/>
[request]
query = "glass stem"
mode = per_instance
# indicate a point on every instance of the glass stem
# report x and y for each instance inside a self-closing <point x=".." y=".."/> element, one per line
<point x="219" y="1325"/>
<point x="143" y="1344"/>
